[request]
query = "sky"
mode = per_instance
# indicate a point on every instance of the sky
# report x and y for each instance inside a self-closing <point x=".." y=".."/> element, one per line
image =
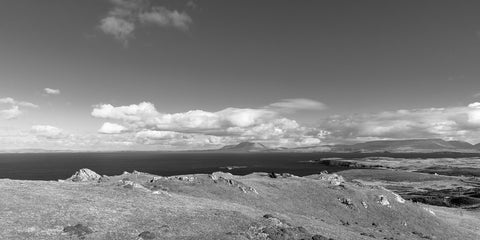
<point x="171" y="75"/>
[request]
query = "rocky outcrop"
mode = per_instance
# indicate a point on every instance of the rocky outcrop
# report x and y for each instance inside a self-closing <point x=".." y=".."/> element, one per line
<point x="333" y="179"/>
<point x="225" y="178"/>
<point x="84" y="175"/>
<point x="278" y="229"/>
<point x="78" y="230"/>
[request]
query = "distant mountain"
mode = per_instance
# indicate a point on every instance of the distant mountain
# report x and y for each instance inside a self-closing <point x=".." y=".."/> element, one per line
<point x="462" y="145"/>
<point x="411" y="145"/>
<point x="245" y="147"/>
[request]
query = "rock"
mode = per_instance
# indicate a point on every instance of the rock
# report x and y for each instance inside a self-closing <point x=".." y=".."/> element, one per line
<point x="346" y="201"/>
<point x="133" y="185"/>
<point x="364" y="204"/>
<point x="320" y="237"/>
<point x="104" y="178"/>
<point x="146" y="235"/>
<point x="287" y="175"/>
<point x="84" y="175"/>
<point x="79" y="230"/>
<point x="383" y="201"/>
<point x="223" y="178"/>
<point x="333" y="179"/>
<point x="186" y="178"/>
<point x="272" y="175"/>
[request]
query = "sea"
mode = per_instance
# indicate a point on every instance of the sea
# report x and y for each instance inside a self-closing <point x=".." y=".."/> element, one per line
<point x="54" y="166"/>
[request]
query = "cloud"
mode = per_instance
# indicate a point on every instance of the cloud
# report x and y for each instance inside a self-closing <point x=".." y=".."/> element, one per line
<point x="11" y="101"/>
<point x="111" y="128"/>
<point x="164" y="18"/>
<point x="229" y="125"/>
<point x="125" y="15"/>
<point x="298" y="104"/>
<point x="51" y="91"/>
<point x="47" y="131"/>
<point x="462" y="123"/>
<point x="10" y="113"/>
<point x="13" y="111"/>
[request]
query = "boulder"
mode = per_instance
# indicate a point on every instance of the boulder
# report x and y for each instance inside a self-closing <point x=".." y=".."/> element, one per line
<point x="79" y="230"/>
<point x="84" y="175"/>
<point x="333" y="179"/>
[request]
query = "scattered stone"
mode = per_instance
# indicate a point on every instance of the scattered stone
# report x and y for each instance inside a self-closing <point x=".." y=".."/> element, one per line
<point x="383" y="201"/>
<point x="133" y="185"/>
<point x="287" y="175"/>
<point x="333" y="179"/>
<point x="430" y="211"/>
<point x="320" y="237"/>
<point x="272" y="175"/>
<point x="146" y="235"/>
<point x="104" y="178"/>
<point x="222" y="178"/>
<point x="186" y="178"/>
<point x="268" y="216"/>
<point x="368" y="234"/>
<point x="344" y="223"/>
<point x="79" y="230"/>
<point x="346" y="201"/>
<point x="84" y="175"/>
<point x="421" y="235"/>
<point x="283" y="233"/>
<point x="165" y="193"/>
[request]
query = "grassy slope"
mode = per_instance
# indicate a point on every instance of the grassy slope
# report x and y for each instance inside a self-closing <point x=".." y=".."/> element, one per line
<point x="203" y="209"/>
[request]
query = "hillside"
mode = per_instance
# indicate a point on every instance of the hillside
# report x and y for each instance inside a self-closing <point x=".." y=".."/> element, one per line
<point x="218" y="206"/>
<point x="410" y="145"/>
<point x="245" y="147"/>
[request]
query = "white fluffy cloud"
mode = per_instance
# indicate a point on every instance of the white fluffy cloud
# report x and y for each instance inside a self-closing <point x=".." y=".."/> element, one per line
<point x="164" y="17"/>
<point x="144" y="115"/>
<point x="47" y="131"/>
<point x="298" y="104"/>
<point x="122" y="19"/>
<point x="13" y="110"/>
<point x="51" y="91"/>
<point x="229" y="125"/>
<point x="112" y="128"/>
<point x="462" y="123"/>
<point x="10" y="113"/>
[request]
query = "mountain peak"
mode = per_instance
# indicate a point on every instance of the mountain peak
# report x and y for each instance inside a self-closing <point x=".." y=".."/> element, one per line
<point x="245" y="147"/>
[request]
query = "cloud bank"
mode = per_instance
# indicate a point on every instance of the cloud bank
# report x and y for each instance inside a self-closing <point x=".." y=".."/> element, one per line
<point x="125" y="15"/>
<point x="203" y="128"/>
<point x="13" y="109"/>
<point x="461" y="123"/>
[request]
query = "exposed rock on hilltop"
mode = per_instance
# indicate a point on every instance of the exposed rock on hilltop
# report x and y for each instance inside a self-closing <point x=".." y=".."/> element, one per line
<point x="84" y="175"/>
<point x="214" y="206"/>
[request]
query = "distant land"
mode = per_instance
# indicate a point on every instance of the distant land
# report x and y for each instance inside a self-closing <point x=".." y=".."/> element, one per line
<point x="392" y="146"/>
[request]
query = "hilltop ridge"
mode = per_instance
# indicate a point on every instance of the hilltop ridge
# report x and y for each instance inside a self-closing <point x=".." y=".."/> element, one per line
<point x="219" y="206"/>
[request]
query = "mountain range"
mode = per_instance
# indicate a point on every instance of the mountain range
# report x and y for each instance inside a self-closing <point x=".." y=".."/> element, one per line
<point x="410" y="145"/>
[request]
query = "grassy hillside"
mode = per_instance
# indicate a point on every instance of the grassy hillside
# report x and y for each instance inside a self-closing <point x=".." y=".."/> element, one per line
<point x="217" y="206"/>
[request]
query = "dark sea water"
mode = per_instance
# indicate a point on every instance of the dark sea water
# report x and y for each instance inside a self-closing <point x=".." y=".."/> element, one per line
<point x="53" y="166"/>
